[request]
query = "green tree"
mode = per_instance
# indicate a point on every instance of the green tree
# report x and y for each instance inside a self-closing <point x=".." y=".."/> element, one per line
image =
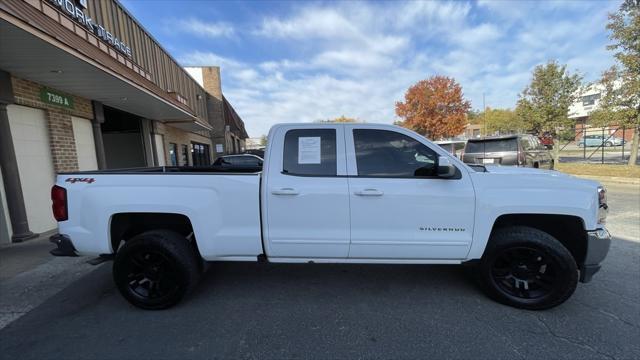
<point x="474" y="117"/>
<point x="620" y="99"/>
<point x="544" y="104"/>
<point x="344" y="119"/>
<point x="502" y="121"/>
<point x="340" y="119"/>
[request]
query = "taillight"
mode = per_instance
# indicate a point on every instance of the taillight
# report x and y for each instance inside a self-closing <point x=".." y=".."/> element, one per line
<point x="59" y="203"/>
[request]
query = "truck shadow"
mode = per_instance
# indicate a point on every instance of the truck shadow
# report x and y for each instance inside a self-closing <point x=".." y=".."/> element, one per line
<point x="310" y="281"/>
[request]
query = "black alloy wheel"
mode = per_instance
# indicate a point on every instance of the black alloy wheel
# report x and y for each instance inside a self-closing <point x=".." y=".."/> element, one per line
<point x="524" y="272"/>
<point x="156" y="269"/>
<point x="527" y="268"/>
<point x="151" y="275"/>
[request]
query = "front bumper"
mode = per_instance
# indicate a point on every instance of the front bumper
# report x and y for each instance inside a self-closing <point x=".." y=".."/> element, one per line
<point x="598" y="243"/>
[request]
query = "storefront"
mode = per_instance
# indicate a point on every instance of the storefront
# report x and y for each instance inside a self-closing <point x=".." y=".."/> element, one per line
<point x="83" y="86"/>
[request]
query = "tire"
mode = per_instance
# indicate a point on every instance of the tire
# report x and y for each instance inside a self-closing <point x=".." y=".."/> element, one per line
<point x="608" y="144"/>
<point x="527" y="268"/>
<point x="156" y="269"/>
<point x="580" y="145"/>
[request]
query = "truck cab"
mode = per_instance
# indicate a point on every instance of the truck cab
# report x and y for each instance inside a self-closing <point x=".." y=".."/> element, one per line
<point x="363" y="192"/>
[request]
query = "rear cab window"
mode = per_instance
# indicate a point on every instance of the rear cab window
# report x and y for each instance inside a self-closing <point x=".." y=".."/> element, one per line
<point x="491" y="145"/>
<point x="310" y="152"/>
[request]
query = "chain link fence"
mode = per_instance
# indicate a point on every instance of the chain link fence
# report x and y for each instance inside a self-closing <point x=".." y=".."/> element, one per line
<point x="606" y="145"/>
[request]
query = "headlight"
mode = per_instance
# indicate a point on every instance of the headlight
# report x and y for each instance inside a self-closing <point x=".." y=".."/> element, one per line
<point x="603" y="208"/>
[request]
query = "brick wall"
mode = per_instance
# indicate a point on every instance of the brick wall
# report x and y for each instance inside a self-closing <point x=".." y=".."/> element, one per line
<point x="180" y="137"/>
<point x="61" y="139"/>
<point x="27" y="93"/>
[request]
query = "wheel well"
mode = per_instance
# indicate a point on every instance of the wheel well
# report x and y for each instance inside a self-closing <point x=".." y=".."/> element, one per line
<point x="567" y="229"/>
<point x="536" y="165"/>
<point x="124" y="226"/>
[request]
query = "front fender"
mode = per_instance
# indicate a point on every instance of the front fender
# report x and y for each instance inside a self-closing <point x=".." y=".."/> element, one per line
<point x="537" y="192"/>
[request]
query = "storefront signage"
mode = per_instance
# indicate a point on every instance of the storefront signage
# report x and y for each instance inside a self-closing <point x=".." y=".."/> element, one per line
<point x="75" y="9"/>
<point x="55" y="98"/>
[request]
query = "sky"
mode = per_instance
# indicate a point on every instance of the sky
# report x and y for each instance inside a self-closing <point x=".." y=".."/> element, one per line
<point x="297" y="61"/>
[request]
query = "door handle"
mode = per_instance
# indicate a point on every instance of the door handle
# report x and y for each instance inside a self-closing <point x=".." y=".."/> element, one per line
<point x="285" y="191"/>
<point x="369" y="192"/>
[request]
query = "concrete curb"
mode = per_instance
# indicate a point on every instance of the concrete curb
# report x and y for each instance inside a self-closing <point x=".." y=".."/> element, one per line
<point x="612" y="179"/>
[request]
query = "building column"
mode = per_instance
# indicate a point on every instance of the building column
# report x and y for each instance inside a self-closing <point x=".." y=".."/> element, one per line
<point x="96" y="124"/>
<point x="9" y="164"/>
<point x="148" y="142"/>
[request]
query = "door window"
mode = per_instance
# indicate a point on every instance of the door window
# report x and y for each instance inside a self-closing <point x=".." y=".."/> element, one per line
<point x="173" y="154"/>
<point x="383" y="153"/>
<point x="310" y="152"/>
<point x="184" y="155"/>
<point x="200" y="154"/>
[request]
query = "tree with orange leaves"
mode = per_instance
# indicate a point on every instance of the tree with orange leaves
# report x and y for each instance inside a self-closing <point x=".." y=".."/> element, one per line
<point x="434" y="107"/>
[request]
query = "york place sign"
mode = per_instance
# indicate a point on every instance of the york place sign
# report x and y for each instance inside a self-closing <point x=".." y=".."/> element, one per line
<point x="75" y="9"/>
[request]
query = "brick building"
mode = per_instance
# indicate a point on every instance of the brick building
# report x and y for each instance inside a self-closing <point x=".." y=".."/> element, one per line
<point x="83" y="86"/>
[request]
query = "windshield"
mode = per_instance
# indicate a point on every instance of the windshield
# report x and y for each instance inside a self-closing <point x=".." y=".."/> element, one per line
<point x="494" y="145"/>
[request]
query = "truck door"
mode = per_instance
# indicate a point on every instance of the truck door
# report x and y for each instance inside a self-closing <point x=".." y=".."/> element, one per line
<point x="400" y="209"/>
<point x="306" y="194"/>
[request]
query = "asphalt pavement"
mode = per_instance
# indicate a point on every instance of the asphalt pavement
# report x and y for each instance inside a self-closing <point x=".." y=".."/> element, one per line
<point x="250" y="310"/>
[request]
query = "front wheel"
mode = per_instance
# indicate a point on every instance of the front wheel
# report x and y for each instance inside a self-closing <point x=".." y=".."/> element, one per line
<point x="608" y="144"/>
<point x="156" y="269"/>
<point x="527" y="268"/>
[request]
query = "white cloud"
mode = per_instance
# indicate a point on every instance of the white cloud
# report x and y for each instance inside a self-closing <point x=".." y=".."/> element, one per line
<point x="358" y="59"/>
<point x="432" y="13"/>
<point x="204" y="29"/>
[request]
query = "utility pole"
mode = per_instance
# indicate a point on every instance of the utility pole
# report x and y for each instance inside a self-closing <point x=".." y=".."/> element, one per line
<point x="484" y="114"/>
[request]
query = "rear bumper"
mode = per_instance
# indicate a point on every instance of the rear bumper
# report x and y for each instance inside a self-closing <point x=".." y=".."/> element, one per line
<point x="64" y="247"/>
<point x="598" y="244"/>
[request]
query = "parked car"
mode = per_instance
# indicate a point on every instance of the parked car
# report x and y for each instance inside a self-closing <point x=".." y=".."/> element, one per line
<point x="240" y="162"/>
<point x="256" y="152"/>
<point x="454" y="147"/>
<point x="338" y="193"/>
<point x="599" y="140"/>
<point x="547" y="140"/>
<point x="514" y="150"/>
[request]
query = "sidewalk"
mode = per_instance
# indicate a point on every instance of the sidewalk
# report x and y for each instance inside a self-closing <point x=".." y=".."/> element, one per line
<point x="29" y="275"/>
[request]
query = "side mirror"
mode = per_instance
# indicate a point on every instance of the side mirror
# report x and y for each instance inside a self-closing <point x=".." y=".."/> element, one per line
<point x="445" y="167"/>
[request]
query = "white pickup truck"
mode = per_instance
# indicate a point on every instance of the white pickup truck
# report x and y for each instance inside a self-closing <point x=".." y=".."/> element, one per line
<point x="338" y="193"/>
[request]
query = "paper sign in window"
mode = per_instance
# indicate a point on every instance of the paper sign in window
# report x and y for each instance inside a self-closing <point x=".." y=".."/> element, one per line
<point x="309" y="150"/>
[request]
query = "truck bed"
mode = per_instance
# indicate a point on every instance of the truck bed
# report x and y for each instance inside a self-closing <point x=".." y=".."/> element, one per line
<point x="222" y="207"/>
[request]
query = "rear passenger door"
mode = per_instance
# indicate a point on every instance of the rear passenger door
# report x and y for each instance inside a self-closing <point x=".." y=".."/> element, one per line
<point x="306" y="194"/>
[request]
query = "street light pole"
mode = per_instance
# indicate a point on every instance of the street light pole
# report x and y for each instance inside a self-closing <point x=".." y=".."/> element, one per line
<point x="484" y="114"/>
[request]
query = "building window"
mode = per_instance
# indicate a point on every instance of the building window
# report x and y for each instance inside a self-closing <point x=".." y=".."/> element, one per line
<point x="185" y="155"/>
<point x="173" y="154"/>
<point x="590" y="99"/>
<point x="310" y="152"/>
<point x="200" y="154"/>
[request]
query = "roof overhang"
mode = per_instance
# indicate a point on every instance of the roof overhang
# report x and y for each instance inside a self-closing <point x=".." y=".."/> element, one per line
<point x="28" y="53"/>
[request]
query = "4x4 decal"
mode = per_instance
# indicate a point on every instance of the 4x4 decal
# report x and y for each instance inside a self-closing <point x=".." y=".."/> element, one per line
<point x="75" y="180"/>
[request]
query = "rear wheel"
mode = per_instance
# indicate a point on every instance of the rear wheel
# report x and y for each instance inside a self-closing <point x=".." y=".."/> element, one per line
<point x="156" y="269"/>
<point x="608" y="143"/>
<point x="527" y="268"/>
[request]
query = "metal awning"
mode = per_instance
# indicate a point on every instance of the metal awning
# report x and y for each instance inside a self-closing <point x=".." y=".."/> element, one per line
<point x="29" y="56"/>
